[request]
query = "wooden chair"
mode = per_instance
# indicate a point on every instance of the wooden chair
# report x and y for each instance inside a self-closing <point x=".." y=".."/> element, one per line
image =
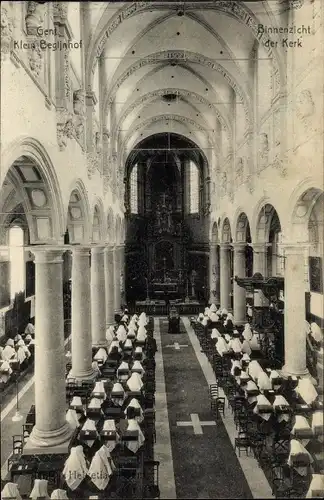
<point x="151" y="479"/>
<point x="70" y="387"/>
<point x="220" y="407"/>
<point x="149" y="401"/>
<point x="218" y="367"/>
<point x="242" y="443"/>
<point x="68" y="367"/>
<point x="148" y="425"/>
<point x="27" y="428"/>
<point x="213" y="390"/>
<point x="150" y="387"/>
<point x="17" y="444"/>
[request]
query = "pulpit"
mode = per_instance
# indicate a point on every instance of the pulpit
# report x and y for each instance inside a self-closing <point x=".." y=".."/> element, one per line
<point x="174" y="321"/>
<point x="268" y="321"/>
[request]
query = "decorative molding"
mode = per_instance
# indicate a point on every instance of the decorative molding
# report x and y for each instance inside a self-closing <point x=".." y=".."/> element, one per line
<point x="239" y="171"/>
<point x="78" y="102"/>
<point x="235" y="9"/>
<point x="7" y="26"/>
<point x="296" y="4"/>
<point x="155" y="119"/>
<point x="263" y="150"/>
<point x="181" y="93"/>
<point x="184" y="56"/>
<point x="79" y="112"/>
<point x="97" y="143"/>
<point x="35" y="59"/>
<point x="34" y="18"/>
<point x="91" y="99"/>
<point x="223" y="184"/>
<point x="64" y="127"/>
<point x="114" y="23"/>
<point x="60" y="10"/>
<point x="67" y="79"/>
<point x="280" y="164"/>
<point x="207" y="209"/>
<point x="92" y="163"/>
<point x="14" y="58"/>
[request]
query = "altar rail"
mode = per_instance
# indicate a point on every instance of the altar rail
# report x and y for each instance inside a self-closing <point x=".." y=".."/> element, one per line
<point x="155" y="308"/>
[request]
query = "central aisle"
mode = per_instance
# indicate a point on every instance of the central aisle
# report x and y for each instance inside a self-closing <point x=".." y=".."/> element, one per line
<point x="205" y="464"/>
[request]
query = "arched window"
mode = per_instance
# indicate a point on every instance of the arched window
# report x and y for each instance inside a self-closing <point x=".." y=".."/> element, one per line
<point x="133" y="190"/>
<point x="193" y="186"/>
<point x="17" y="260"/>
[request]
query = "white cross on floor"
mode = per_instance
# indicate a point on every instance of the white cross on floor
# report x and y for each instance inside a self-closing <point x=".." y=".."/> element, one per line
<point x="177" y="346"/>
<point x="196" y="423"/>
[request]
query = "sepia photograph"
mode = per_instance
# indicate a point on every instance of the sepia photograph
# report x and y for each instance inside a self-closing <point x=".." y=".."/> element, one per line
<point x="161" y="249"/>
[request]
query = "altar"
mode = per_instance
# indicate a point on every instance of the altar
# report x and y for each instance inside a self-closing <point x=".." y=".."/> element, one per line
<point x="163" y="288"/>
<point x="161" y="308"/>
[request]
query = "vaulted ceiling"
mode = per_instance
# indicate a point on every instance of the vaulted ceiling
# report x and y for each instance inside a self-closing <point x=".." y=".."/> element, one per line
<point x="197" y="53"/>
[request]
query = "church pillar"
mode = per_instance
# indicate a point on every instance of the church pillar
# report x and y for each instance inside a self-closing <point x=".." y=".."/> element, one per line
<point x="51" y="428"/>
<point x="260" y="266"/>
<point x="225" y="276"/>
<point x="117" y="294"/>
<point x="239" y="306"/>
<point x="109" y="283"/>
<point x="214" y="280"/>
<point x="295" y="337"/>
<point x="98" y="299"/>
<point x="81" y="315"/>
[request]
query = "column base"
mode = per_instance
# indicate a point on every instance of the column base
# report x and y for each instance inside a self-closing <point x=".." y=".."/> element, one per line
<point x="285" y="372"/>
<point x="100" y="343"/>
<point x="240" y="323"/>
<point x="90" y="375"/>
<point x="49" y="441"/>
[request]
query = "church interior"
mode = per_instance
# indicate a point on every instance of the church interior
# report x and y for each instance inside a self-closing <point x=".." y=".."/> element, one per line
<point x="161" y="253"/>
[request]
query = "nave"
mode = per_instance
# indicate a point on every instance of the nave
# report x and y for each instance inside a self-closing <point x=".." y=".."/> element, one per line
<point x="197" y="447"/>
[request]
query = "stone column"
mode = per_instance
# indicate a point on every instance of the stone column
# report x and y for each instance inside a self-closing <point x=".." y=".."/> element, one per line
<point x="81" y="315"/>
<point x="260" y="266"/>
<point x="225" y="276"/>
<point x="98" y="299"/>
<point x="239" y="306"/>
<point x="51" y="429"/>
<point x="117" y="294"/>
<point x="295" y="337"/>
<point x="214" y="280"/>
<point x="109" y="284"/>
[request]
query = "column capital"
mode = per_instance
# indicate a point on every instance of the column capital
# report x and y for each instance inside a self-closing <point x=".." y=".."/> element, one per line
<point x="239" y="246"/>
<point x="80" y="249"/>
<point x="97" y="249"/>
<point x="225" y="246"/>
<point x="109" y="248"/>
<point x="260" y="246"/>
<point x="294" y="248"/>
<point x="47" y="254"/>
<point x="213" y="244"/>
